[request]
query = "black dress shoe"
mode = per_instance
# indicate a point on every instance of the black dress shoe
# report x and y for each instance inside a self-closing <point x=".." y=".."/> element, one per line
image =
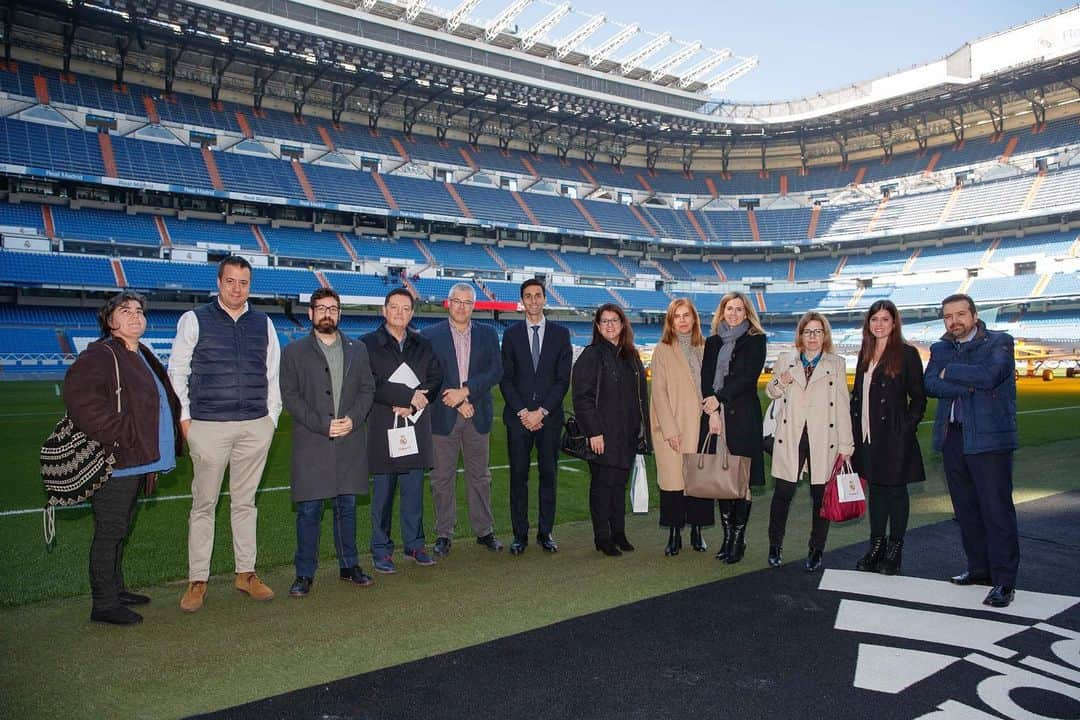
<point x="116" y="616"/>
<point x="622" y="542"/>
<point x="813" y="561"/>
<point x="130" y="598"/>
<point x="609" y="548"/>
<point x="518" y="546"/>
<point x="970" y="578"/>
<point x="356" y="576"/>
<point x="489" y="541"/>
<point x="441" y="547"/>
<point x="1000" y="596"/>
<point x="674" y="542"/>
<point x="547" y="543"/>
<point x="301" y="586"/>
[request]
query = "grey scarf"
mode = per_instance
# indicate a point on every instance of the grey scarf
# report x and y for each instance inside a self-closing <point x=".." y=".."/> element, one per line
<point x="728" y="336"/>
<point x="692" y="355"/>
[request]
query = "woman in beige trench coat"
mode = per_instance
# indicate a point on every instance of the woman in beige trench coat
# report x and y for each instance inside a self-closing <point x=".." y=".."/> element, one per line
<point x="675" y="415"/>
<point x="814" y="427"/>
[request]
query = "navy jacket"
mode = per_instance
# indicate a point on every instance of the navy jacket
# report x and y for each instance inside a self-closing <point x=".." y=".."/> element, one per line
<point x="982" y="375"/>
<point x="485" y="371"/>
<point x="521" y="386"/>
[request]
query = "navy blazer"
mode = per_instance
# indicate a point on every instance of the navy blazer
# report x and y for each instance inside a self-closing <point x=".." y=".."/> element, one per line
<point x="525" y="388"/>
<point x="485" y="371"/>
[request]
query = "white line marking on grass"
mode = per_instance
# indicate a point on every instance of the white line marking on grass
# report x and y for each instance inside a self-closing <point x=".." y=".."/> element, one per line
<point x="1027" y="412"/>
<point x="163" y="498"/>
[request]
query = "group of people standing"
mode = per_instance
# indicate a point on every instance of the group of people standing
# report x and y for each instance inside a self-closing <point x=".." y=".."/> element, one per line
<point x="373" y="414"/>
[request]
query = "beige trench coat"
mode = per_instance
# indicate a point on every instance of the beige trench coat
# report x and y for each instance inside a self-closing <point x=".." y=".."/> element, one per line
<point x="675" y="409"/>
<point x="822" y="406"/>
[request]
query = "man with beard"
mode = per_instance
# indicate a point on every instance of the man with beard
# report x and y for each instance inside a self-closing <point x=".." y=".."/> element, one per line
<point x="973" y="372"/>
<point x="327" y="387"/>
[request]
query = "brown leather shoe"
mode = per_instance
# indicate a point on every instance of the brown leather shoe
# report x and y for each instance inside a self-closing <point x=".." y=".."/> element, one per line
<point x="249" y="582"/>
<point x="194" y="596"/>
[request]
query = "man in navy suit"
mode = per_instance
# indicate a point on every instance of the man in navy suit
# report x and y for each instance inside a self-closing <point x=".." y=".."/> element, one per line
<point x="461" y="418"/>
<point x="536" y="359"/>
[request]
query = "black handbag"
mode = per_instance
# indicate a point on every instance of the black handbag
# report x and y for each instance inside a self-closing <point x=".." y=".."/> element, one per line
<point x="73" y="466"/>
<point x="574" y="442"/>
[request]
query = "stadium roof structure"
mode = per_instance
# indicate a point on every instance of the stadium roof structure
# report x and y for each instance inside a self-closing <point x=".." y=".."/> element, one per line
<point x="406" y="62"/>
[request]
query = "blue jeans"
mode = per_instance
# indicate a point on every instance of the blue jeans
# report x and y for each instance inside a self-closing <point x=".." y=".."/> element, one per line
<point x="411" y="511"/>
<point x="308" y="520"/>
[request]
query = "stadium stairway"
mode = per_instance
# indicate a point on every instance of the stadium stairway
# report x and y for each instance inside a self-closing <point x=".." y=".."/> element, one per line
<point x="521" y="202"/>
<point x="348" y="247"/>
<point x="752" y="219"/>
<point x="387" y="195"/>
<point x="327" y="140"/>
<point x="459" y="201"/>
<point x="151" y="110"/>
<point x="812" y="229"/>
<point x="695" y="224"/>
<point x="641" y="219"/>
<point x="301" y="177"/>
<point x="587" y="215"/>
<point x="108" y="159"/>
<point x="257" y="232"/>
<point x="163" y="231"/>
<point x="212" y="168"/>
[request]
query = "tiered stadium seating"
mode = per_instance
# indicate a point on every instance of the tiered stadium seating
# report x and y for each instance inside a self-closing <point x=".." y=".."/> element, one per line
<point x="30" y="269"/>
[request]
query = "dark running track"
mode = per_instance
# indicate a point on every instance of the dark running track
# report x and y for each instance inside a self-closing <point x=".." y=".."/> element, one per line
<point x="762" y="645"/>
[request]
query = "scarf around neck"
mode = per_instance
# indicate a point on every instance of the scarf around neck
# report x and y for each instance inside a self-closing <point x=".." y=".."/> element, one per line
<point x="728" y="335"/>
<point x="692" y="355"/>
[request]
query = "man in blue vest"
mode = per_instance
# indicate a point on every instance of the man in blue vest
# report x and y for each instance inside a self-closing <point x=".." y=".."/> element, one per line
<point x="224" y="368"/>
<point x="972" y="372"/>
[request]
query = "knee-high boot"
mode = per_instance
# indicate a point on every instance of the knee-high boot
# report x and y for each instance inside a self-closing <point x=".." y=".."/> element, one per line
<point x="726" y="522"/>
<point x="738" y="536"/>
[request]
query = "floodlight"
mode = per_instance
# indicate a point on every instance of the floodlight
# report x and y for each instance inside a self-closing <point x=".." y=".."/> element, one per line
<point x="721" y="81"/>
<point x="705" y="66"/>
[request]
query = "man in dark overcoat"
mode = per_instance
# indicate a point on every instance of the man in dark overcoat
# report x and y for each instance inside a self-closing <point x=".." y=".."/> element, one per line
<point x="407" y="378"/>
<point x="327" y="387"/>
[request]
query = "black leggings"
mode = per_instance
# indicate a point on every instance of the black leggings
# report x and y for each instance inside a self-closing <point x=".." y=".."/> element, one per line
<point x="889" y="507"/>
<point x="781" y="504"/>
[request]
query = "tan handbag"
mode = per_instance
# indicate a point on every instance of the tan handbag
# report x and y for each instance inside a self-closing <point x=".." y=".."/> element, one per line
<point x="719" y="476"/>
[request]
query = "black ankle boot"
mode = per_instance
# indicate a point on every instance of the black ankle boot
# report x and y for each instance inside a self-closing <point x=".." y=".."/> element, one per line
<point x="622" y="542"/>
<point x="890" y="564"/>
<point x="725" y="544"/>
<point x="813" y="560"/>
<point x="674" y="541"/>
<point x="776" y="559"/>
<point x="738" y="544"/>
<point x="696" y="541"/>
<point x="869" y="561"/>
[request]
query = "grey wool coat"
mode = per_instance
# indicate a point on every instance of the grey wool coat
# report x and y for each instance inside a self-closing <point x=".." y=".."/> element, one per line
<point x="325" y="467"/>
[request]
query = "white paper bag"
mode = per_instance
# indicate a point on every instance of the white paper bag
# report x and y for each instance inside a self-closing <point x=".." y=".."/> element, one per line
<point x="639" y="487"/>
<point x="402" y="440"/>
<point x="848" y="486"/>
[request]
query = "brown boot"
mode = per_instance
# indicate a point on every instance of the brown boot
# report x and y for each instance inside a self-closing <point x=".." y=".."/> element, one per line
<point x="194" y="596"/>
<point x="249" y="582"/>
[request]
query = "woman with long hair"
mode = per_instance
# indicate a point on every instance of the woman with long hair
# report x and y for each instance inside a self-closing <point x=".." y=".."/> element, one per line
<point x="886" y="407"/>
<point x="675" y="414"/>
<point x="814" y="429"/>
<point x="611" y="403"/>
<point x="733" y="360"/>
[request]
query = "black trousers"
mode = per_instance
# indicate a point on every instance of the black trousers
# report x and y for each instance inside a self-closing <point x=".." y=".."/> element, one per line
<point x="781" y="504"/>
<point x="889" y="505"/>
<point x="114" y="507"/>
<point x="519" y="445"/>
<point x="607" y="500"/>
<point x="980" y="485"/>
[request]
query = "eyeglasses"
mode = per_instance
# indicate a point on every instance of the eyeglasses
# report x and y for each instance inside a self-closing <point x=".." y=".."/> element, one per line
<point x="327" y="309"/>
<point x="813" y="333"/>
<point x="461" y="303"/>
<point x="609" y="321"/>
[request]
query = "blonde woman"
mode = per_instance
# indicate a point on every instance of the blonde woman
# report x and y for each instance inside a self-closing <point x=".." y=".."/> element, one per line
<point x="734" y="357"/>
<point x="674" y="417"/>
<point x="814" y="428"/>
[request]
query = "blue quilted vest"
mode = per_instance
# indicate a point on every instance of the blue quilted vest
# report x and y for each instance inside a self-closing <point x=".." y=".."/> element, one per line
<point x="228" y="367"/>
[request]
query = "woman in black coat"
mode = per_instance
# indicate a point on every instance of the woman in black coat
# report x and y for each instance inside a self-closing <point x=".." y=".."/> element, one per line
<point x="886" y="406"/>
<point x="734" y="358"/>
<point x="611" y="403"/>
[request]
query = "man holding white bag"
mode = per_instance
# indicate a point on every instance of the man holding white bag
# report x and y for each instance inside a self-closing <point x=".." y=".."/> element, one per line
<point x="407" y="376"/>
